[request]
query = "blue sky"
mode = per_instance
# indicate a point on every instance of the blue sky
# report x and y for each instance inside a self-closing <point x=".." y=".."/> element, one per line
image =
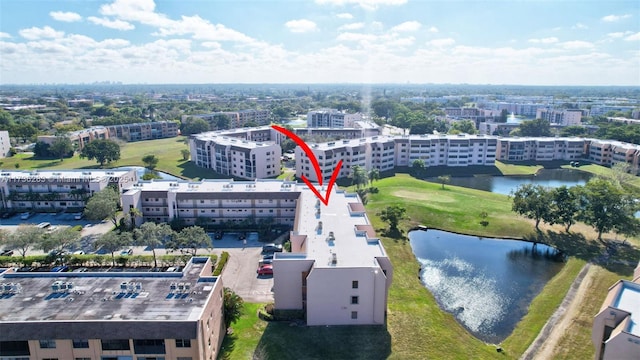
<point x="568" y="42"/>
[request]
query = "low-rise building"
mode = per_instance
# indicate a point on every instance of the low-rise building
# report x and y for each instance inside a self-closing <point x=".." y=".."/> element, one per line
<point x="144" y="131"/>
<point x="55" y="190"/>
<point x="80" y="138"/>
<point x="5" y="144"/>
<point x="616" y="328"/>
<point x="105" y="315"/>
<point x="332" y="118"/>
<point x="240" y="118"/>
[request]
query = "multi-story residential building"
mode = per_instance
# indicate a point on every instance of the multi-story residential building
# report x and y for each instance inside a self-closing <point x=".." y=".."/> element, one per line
<point x="240" y="118"/>
<point x="5" y="144"/>
<point x="624" y="120"/>
<point x="80" y="138"/>
<point x="463" y="113"/>
<point x="54" y="190"/>
<point x="337" y="271"/>
<point x="610" y="152"/>
<point x="331" y="118"/>
<point x="598" y="110"/>
<point x="540" y="149"/>
<point x="144" y="131"/>
<point x="567" y="117"/>
<point x="361" y="129"/>
<point x="103" y="315"/>
<point x="386" y="152"/>
<point x="233" y="156"/>
<point x="497" y="129"/>
<point x="616" y="328"/>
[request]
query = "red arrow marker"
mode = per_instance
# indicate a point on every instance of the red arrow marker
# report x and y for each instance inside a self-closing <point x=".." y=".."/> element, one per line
<point x="314" y="162"/>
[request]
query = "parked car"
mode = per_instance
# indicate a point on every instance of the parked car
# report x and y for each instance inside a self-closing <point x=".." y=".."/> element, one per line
<point x="44" y="225"/>
<point x="25" y="216"/>
<point x="78" y="216"/>
<point x="6" y="252"/>
<point x="271" y="248"/>
<point x="82" y="269"/>
<point x="61" y="268"/>
<point x="78" y="252"/>
<point x="266" y="269"/>
<point x="126" y="252"/>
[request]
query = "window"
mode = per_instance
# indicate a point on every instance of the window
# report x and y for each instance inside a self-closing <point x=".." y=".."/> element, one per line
<point x="354" y="300"/>
<point x="354" y="284"/>
<point x="149" y="346"/>
<point x="183" y="343"/>
<point x="80" y="344"/>
<point x="118" y="344"/>
<point x="184" y="358"/>
<point x="83" y="358"/>
<point x="354" y="314"/>
<point x="47" y="344"/>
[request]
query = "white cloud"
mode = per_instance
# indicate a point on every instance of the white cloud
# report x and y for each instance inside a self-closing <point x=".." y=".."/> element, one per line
<point x="614" y="18"/>
<point x="365" y="4"/>
<point x="579" y="26"/>
<point x="350" y="36"/>
<point x="65" y="16"/>
<point x="344" y="16"/>
<point x="433" y="29"/>
<point x="634" y="37"/>
<point x="36" y="33"/>
<point x="441" y="42"/>
<point x="549" y="40"/>
<point x="352" y="26"/>
<point x="301" y="26"/>
<point x="4" y="35"/>
<point x="576" y="44"/>
<point x="111" y="24"/>
<point x="407" y="26"/>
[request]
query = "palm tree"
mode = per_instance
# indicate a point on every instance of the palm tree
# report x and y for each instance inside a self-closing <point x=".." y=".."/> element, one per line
<point x="374" y="174"/>
<point x="358" y="176"/>
<point x="233" y="305"/>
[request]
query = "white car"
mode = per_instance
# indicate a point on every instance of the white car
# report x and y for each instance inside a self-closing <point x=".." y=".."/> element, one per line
<point x="78" y="216"/>
<point x="25" y="216"/>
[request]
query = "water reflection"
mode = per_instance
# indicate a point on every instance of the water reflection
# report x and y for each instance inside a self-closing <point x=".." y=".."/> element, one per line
<point x="487" y="284"/>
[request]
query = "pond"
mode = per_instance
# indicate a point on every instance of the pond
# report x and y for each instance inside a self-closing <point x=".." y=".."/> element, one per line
<point x="487" y="284"/>
<point x="505" y="184"/>
<point x="141" y="171"/>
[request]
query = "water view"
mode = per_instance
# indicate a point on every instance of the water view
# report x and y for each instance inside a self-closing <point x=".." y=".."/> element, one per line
<point x="505" y="184"/>
<point x="141" y="171"/>
<point x="487" y="284"/>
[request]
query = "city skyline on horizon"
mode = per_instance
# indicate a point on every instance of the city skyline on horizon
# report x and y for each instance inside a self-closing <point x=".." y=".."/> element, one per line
<point x="350" y="42"/>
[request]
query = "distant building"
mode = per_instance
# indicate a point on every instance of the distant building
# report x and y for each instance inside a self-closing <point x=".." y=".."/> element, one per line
<point x="238" y="119"/>
<point x="106" y="315"/>
<point x="144" y="131"/>
<point x="331" y="118"/>
<point x="80" y="138"/>
<point x="360" y="129"/>
<point x="616" y="328"/>
<point x="57" y="190"/>
<point x="567" y="117"/>
<point x="599" y="110"/>
<point x="5" y="144"/>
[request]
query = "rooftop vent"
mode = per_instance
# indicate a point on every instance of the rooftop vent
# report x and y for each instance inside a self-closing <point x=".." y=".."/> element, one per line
<point x="334" y="259"/>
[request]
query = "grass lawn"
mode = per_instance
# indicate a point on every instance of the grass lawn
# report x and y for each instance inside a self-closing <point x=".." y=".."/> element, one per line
<point x="247" y="332"/>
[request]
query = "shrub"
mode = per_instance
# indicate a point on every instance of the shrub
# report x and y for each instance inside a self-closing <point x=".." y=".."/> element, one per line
<point x="77" y="228"/>
<point x="220" y="266"/>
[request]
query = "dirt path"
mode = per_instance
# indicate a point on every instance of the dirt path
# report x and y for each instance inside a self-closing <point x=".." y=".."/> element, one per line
<point x="544" y="344"/>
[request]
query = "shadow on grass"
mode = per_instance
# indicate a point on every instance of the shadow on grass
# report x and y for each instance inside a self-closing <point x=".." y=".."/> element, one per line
<point x="192" y="171"/>
<point x="228" y="344"/>
<point x="617" y="257"/>
<point x="395" y="234"/>
<point x="285" y="340"/>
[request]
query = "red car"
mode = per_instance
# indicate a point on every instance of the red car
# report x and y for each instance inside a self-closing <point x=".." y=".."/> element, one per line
<point x="266" y="269"/>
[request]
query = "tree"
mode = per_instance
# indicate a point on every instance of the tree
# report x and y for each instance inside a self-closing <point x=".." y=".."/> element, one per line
<point x="194" y="126"/>
<point x="535" y="128"/>
<point x="153" y="236"/>
<point x="374" y="174"/>
<point x="185" y="154"/>
<point x="23" y="131"/>
<point x="192" y="238"/>
<point x="102" y="205"/>
<point x="606" y="207"/>
<point x="393" y="214"/>
<point x="358" y="176"/>
<point x="444" y="179"/>
<point x="564" y="206"/>
<point x="150" y="161"/>
<point x="60" y="240"/>
<point x="232" y="307"/>
<point x="417" y="167"/>
<point x="61" y="147"/>
<point x="24" y="238"/>
<point x="112" y="242"/>
<point x="465" y="126"/>
<point x="102" y="150"/>
<point x="531" y="201"/>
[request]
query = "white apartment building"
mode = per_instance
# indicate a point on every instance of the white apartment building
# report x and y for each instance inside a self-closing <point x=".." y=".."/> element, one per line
<point x="610" y="152"/>
<point x="598" y="110"/>
<point x="53" y="190"/>
<point x="386" y="152"/>
<point x="337" y="271"/>
<point x="239" y="118"/>
<point x="233" y="156"/>
<point x="540" y="149"/>
<point x="5" y="144"/>
<point x="331" y="118"/>
<point x="567" y="117"/>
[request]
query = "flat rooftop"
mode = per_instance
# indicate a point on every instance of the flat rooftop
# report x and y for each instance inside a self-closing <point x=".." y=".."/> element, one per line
<point x="629" y="300"/>
<point x="105" y="296"/>
<point x="354" y="241"/>
<point x="64" y="175"/>
<point x="214" y="186"/>
<point x="226" y="140"/>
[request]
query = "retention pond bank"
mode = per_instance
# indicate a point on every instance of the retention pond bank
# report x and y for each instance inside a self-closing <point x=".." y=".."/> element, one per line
<point x="487" y="284"/>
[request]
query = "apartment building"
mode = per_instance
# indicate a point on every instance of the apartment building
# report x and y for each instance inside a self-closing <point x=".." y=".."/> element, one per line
<point x="5" y="144"/>
<point x="240" y="118"/>
<point x="80" y="138"/>
<point x="463" y="112"/>
<point x="54" y="190"/>
<point x="232" y="156"/>
<point x="497" y="129"/>
<point x="610" y="152"/>
<point x="144" y="131"/>
<point x="331" y="118"/>
<point x="616" y="329"/>
<point x="540" y="149"/>
<point x="567" y="117"/>
<point x="216" y="201"/>
<point x="105" y="316"/>
<point x="360" y="129"/>
<point x="599" y="110"/>
<point x="386" y="152"/>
